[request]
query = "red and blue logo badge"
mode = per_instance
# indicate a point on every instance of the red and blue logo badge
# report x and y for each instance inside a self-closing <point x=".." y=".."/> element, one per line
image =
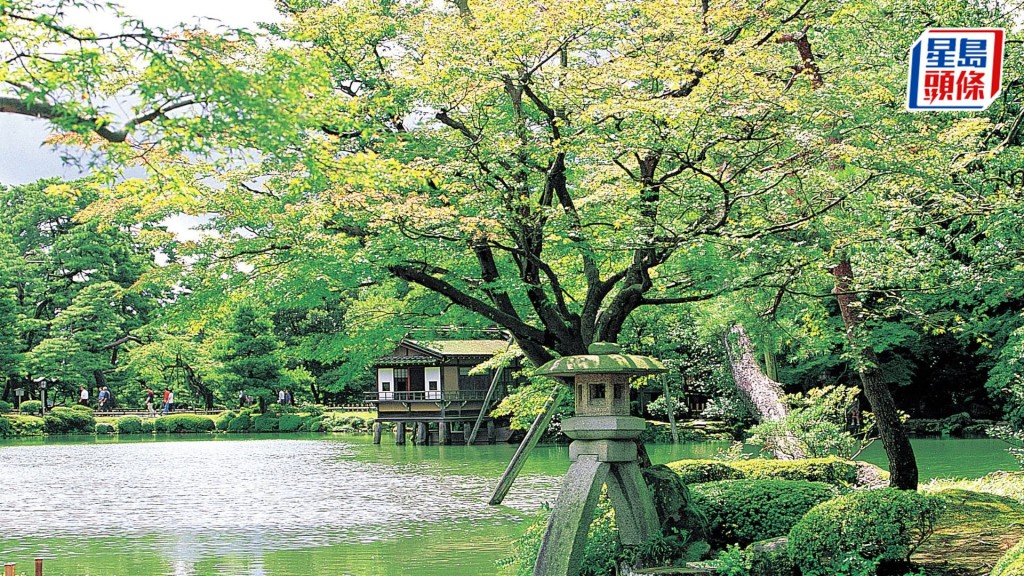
<point x="955" y="69"/>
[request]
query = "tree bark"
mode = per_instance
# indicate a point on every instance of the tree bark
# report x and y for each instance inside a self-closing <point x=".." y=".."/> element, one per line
<point x="763" y="393"/>
<point x="902" y="464"/>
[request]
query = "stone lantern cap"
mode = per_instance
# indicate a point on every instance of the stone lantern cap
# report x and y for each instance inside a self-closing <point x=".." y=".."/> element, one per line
<point x="602" y="358"/>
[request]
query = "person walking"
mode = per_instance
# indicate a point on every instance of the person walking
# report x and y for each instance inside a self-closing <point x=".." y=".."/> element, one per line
<point x="288" y="397"/>
<point x="170" y="401"/>
<point x="149" y="403"/>
<point x="104" y="400"/>
<point x="167" y="400"/>
<point x="241" y="399"/>
<point x="83" y="396"/>
<point x="280" y="397"/>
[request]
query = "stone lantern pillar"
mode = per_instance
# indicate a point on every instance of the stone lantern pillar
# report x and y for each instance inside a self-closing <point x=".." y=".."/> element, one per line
<point x="603" y="453"/>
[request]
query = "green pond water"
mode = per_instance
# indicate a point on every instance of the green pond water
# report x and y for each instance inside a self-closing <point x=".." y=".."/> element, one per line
<point x="300" y="505"/>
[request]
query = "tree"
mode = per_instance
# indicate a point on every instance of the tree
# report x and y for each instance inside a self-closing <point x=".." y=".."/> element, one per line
<point x="250" y="355"/>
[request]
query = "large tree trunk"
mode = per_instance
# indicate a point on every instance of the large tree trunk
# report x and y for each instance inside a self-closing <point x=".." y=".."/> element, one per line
<point x="902" y="464"/>
<point x="763" y="393"/>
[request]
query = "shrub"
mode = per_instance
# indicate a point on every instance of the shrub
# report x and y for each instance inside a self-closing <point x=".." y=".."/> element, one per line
<point x="867" y="527"/>
<point x="81" y="408"/>
<point x="224" y="419"/>
<point x="68" y="421"/>
<point x="6" y="407"/>
<point x="831" y="470"/>
<point x="148" y="426"/>
<point x="129" y="425"/>
<point x="6" y="427"/>
<point x="240" y="423"/>
<point x="27" y="425"/>
<point x="765" y="558"/>
<point x="31" y="407"/>
<point x="313" y="424"/>
<point x="104" y="428"/>
<point x="184" y="424"/>
<point x="265" y="423"/>
<point x="697" y="471"/>
<point x="290" y="422"/>
<point x="1012" y="563"/>
<point x="745" y="511"/>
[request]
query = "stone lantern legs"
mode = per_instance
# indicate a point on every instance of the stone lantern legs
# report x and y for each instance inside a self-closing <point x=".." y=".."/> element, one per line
<point x="603" y="453"/>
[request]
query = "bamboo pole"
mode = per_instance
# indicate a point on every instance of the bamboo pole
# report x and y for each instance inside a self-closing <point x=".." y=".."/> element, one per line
<point x="540" y="424"/>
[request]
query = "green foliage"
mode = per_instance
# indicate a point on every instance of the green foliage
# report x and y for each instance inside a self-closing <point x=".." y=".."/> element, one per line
<point x="1012" y="436"/>
<point x="745" y="511"/>
<point x="831" y="470"/>
<point x="27" y="425"/>
<point x="766" y="558"/>
<point x="313" y="424"/>
<point x="265" y="423"/>
<point x="524" y="548"/>
<point x="129" y="425"/>
<point x="68" y="421"/>
<point x="290" y="422"/>
<point x="31" y="407"/>
<point x="184" y="424"/>
<point x="6" y="427"/>
<point x="148" y="426"/>
<point x="83" y="409"/>
<point x="224" y="420"/>
<point x="104" y="428"/>
<point x="697" y="471"/>
<point x="844" y="535"/>
<point x="816" y="425"/>
<point x="241" y="423"/>
<point x="6" y="407"/>
<point x="1012" y="563"/>
<point x="250" y="356"/>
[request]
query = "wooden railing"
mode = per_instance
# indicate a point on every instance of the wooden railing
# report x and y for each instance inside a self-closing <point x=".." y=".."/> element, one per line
<point x="427" y="396"/>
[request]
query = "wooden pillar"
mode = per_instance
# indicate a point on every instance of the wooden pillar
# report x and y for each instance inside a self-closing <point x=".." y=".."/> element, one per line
<point x="9" y="569"/>
<point x="377" y="430"/>
<point x="39" y="567"/>
<point x="492" y="435"/>
<point x="400" y="433"/>
<point x="443" y="437"/>
<point x="422" y="434"/>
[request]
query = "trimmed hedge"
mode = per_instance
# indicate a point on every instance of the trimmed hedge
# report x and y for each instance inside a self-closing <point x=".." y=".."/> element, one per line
<point x="698" y="471"/>
<point x="312" y="424"/>
<point x="148" y="426"/>
<point x="224" y="420"/>
<point x="831" y="470"/>
<point x="240" y="423"/>
<point x="265" y="423"/>
<point x="104" y="428"/>
<point x="861" y="529"/>
<point x="290" y="423"/>
<point x="129" y="425"/>
<point x="6" y="427"/>
<point x="184" y="424"/>
<point x="68" y="421"/>
<point x="31" y="407"/>
<point x="1012" y="563"/>
<point x="27" y="425"/>
<point x="746" y="511"/>
<point x="6" y="407"/>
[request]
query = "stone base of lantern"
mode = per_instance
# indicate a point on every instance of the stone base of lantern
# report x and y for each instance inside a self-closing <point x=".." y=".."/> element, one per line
<point x="603" y="454"/>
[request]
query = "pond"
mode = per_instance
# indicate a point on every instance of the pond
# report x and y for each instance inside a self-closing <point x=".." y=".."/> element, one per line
<point x="299" y="505"/>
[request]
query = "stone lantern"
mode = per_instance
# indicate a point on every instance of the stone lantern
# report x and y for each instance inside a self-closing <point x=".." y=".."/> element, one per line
<point x="603" y="453"/>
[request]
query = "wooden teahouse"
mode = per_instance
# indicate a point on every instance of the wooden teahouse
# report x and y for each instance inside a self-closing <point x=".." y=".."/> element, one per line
<point x="427" y="385"/>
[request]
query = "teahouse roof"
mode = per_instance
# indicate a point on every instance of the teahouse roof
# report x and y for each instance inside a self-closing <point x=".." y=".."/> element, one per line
<point x="431" y="351"/>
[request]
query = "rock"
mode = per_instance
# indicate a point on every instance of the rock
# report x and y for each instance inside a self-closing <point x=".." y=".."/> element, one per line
<point x="871" y="476"/>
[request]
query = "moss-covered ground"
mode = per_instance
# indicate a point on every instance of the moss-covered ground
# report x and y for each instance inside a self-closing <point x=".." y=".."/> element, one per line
<point x="980" y="521"/>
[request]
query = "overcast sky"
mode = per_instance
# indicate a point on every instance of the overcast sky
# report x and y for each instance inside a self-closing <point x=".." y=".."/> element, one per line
<point x="23" y="156"/>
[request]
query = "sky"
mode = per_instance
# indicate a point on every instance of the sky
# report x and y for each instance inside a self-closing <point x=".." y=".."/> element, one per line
<point x="23" y="156"/>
